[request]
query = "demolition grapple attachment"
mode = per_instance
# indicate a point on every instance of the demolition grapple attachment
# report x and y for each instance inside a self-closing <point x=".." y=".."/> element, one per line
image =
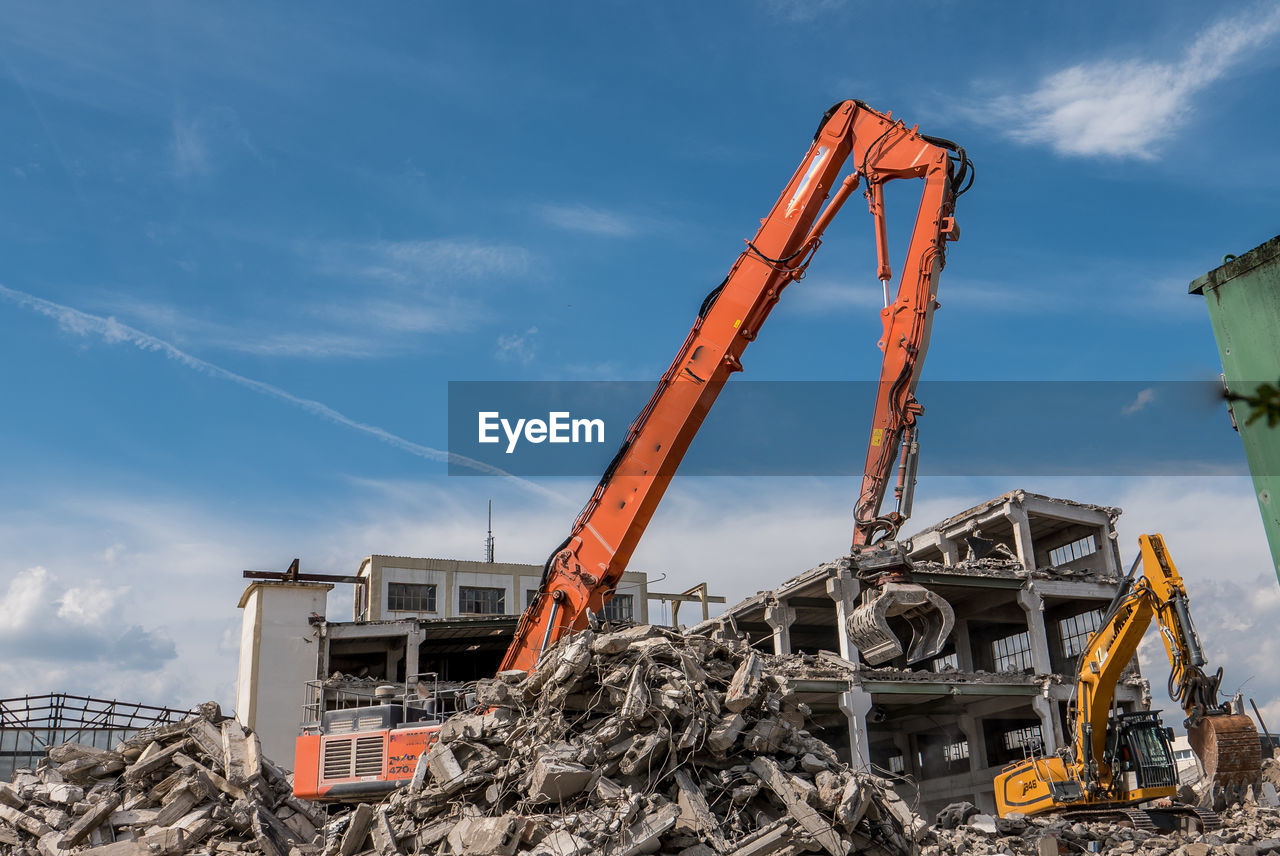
<point x="891" y="604"/>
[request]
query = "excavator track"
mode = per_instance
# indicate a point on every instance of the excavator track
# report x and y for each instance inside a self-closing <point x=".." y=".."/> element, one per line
<point x="1157" y="819"/>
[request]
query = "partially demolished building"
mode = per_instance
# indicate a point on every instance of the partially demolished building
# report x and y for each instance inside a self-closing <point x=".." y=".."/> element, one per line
<point x="1028" y="577"/>
<point x="411" y="616"/>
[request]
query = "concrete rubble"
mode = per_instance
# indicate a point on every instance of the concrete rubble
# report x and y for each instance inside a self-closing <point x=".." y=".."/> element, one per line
<point x="637" y="741"/>
<point x="623" y="743"/>
<point x="1248" y="828"/>
<point x="196" y="786"/>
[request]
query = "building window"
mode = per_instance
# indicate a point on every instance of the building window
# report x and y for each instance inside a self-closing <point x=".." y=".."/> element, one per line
<point x="411" y="597"/>
<point x="621" y="607"/>
<point x="946" y="663"/>
<point x="1076" y="630"/>
<point x="474" y="600"/>
<point x="1077" y="549"/>
<point x="897" y="764"/>
<point x="1012" y="653"/>
<point x="529" y="595"/>
<point x="954" y="752"/>
<point x="1030" y="738"/>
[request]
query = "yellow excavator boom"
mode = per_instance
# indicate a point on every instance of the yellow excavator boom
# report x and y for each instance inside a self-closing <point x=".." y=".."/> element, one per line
<point x="1121" y="759"/>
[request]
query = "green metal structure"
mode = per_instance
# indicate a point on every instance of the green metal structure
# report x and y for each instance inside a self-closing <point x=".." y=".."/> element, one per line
<point x="1243" y="296"/>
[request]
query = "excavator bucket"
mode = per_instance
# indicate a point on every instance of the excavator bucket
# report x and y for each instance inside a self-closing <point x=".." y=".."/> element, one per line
<point x="1228" y="748"/>
<point x="928" y="616"/>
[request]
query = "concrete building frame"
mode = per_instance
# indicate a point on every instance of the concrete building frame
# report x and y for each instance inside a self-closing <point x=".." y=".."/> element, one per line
<point x="952" y="723"/>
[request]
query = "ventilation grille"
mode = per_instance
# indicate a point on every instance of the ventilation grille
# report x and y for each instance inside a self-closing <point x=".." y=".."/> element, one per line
<point x="337" y="758"/>
<point x="369" y="756"/>
<point x="371" y="722"/>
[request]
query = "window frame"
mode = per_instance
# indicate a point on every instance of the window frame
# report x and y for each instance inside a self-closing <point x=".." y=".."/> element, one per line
<point x="429" y="589"/>
<point x="499" y="593"/>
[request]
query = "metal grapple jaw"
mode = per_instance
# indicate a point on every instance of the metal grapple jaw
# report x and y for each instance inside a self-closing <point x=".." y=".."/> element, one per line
<point x="929" y="617"/>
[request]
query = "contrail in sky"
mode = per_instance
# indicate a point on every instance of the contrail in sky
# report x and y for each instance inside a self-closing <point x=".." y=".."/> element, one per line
<point x="113" y="332"/>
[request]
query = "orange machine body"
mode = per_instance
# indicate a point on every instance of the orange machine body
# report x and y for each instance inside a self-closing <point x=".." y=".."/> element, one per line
<point x="359" y="765"/>
<point x="584" y="570"/>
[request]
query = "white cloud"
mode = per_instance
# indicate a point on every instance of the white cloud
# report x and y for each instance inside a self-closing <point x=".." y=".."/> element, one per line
<point x="113" y="332"/>
<point x="584" y="218"/>
<point x="340" y="329"/>
<point x="200" y="142"/>
<point x="185" y="561"/>
<point x="1127" y="107"/>
<point x="518" y="347"/>
<point x="429" y="261"/>
<point x="824" y="296"/>
<point x="1140" y="402"/>
<point x="801" y="11"/>
<point x="88" y="604"/>
<point x="44" y="622"/>
<point x="190" y="149"/>
<point x="27" y="595"/>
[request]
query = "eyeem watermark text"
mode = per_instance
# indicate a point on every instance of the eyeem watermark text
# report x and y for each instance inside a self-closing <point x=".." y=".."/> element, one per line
<point x="558" y="427"/>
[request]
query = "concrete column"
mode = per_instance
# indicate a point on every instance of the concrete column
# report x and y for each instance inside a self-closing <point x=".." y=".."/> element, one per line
<point x="393" y="660"/>
<point x="413" y="642"/>
<point x="1050" y="727"/>
<point x="964" y="645"/>
<point x="950" y="551"/>
<point x="780" y="617"/>
<point x="1022" y="543"/>
<point x="844" y="589"/>
<point x="903" y="744"/>
<point x="855" y="705"/>
<point x="971" y="727"/>
<point x="279" y="648"/>
<point x="1033" y="605"/>
<point x="1109" y="545"/>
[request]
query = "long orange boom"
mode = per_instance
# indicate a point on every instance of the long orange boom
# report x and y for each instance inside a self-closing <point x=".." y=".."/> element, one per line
<point x="584" y="570"/>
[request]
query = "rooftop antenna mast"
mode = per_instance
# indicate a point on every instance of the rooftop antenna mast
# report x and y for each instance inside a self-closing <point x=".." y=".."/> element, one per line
<point x="488" y="541"/>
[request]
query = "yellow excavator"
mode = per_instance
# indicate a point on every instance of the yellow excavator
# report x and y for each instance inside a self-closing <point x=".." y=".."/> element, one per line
<point x="1118" y="761"/>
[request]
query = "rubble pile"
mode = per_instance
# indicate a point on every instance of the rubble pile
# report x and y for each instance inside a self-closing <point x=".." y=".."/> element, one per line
<point x="1249" y="828"/>
<point x="200" y="785"/>
<point x="630" y="742"/>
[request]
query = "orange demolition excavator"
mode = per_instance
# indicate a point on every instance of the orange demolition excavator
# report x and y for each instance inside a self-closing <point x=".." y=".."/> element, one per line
<point x="583" y="572"/>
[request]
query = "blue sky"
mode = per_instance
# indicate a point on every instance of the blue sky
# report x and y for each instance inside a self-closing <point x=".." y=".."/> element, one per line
<point x="244" y="248"/>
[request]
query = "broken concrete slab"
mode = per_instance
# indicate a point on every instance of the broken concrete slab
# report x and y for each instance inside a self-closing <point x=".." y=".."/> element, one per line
<point x="168" y="800"/>
<point x="724" y="734"/>
<point x="241" y="755"/>
<point x="90" y="820"/>
<point x="805" y="815"/>
<point x="744" y="689"/>
<point x="562" y="843"/>
<point x="486" y="836"/>
<point x="555" y="780"/>
<point x="384" y="835"/>
<point x="357" y="832"/>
